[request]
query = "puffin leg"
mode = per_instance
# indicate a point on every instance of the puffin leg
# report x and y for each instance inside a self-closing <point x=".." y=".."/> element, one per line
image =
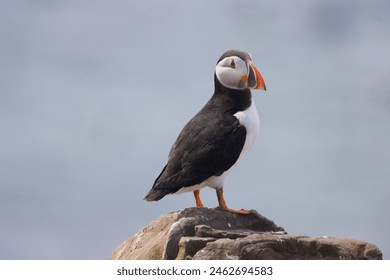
<point x="223" y="206"/>
<point x="197" y="199"/>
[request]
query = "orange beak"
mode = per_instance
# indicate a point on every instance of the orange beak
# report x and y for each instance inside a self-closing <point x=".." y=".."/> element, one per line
<point x="258" y="79"/>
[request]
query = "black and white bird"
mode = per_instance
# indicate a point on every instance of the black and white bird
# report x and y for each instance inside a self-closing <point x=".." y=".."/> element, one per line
<point x="217" y="137"/>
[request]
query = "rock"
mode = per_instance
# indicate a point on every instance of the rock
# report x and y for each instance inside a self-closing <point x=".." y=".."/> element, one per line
<point x="213" y="234"/>
<point x="268" y="246"/>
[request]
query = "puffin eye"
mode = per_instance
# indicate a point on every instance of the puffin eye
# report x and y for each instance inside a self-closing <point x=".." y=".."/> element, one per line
<point x="232" y="64"/>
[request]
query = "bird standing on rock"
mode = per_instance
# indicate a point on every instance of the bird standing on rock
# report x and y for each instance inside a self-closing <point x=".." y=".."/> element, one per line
<point x="217" y="137"/>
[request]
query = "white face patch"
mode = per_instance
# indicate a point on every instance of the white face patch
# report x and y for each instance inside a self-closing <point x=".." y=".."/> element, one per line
<point x="230" y="70"/>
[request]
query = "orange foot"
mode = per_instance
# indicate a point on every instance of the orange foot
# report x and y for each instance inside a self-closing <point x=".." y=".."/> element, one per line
<point x="197" y="198"/>
<point x="223" y="206"/>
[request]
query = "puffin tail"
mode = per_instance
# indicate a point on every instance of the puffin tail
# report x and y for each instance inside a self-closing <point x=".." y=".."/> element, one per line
<point x="155" y="194"/>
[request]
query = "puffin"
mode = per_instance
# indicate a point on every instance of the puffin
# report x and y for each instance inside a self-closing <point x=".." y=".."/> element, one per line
<point x="217" y="137"/>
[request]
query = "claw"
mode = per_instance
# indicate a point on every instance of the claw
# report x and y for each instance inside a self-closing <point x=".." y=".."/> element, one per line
<point x="223" y="206"/>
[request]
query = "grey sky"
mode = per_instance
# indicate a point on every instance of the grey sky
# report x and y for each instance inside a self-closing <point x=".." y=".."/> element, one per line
<point x="93" y="94"/>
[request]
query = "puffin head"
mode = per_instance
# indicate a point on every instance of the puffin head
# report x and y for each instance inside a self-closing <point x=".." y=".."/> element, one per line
<point x="235" y="70"/>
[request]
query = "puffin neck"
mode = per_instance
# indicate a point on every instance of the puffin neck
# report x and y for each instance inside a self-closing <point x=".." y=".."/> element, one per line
<point x="236" y="100"/>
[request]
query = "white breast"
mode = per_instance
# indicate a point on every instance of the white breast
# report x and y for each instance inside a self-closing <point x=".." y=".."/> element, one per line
<point x="250" y="119"/>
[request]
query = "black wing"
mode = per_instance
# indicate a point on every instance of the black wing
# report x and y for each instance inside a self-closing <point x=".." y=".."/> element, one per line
<point x="205" y="147"/>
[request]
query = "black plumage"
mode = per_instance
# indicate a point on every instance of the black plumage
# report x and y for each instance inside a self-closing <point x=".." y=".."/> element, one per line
<point x="208" y="145"/>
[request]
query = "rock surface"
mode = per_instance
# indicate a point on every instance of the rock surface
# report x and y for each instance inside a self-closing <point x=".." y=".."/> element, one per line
<point x="213" y="234"/>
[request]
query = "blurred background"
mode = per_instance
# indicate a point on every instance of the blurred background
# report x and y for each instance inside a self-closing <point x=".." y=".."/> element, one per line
<point x="94" y="93"/>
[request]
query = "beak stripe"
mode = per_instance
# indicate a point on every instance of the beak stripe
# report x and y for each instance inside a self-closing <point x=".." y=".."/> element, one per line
<point x="260" y="84"/>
